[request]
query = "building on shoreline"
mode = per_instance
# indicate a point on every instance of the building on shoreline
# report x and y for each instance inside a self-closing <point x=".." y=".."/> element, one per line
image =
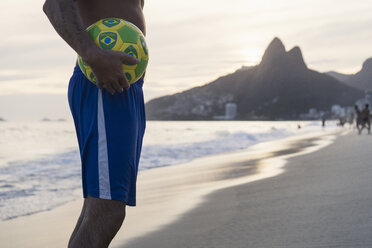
<point x="230" y="112"/>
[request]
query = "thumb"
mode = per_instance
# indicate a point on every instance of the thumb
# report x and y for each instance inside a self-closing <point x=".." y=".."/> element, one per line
<point x="128" y="59"/>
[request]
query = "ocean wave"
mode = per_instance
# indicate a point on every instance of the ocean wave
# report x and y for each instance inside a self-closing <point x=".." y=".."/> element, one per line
<point x="164" y="155"/>
<point x="36" y="185"/>
<point x="28" y="187"/>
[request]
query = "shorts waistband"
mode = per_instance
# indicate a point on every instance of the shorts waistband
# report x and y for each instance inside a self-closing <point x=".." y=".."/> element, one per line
<point x="139" y="82"/>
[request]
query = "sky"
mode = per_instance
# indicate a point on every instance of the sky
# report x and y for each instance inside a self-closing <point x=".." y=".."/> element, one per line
<point x="190" y="42"/>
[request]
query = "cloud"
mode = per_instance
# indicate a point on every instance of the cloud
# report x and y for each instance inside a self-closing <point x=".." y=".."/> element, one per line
<point x="9" y="78"/>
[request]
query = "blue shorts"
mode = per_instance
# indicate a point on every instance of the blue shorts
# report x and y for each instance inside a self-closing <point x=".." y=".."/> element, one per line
<point x="109" y="130"/>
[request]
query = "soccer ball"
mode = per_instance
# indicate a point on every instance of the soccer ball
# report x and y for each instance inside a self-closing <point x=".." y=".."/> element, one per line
<point x="119" y="35"/>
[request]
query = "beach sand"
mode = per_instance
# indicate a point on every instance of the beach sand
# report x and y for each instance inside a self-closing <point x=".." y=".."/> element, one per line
<point x="176" y="206"/>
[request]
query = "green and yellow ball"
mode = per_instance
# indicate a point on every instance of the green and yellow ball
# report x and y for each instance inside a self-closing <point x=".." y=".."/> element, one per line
<point x="119" y="35"/>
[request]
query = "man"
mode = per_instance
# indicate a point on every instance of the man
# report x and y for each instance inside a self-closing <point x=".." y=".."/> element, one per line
<point x="110" y="122"/>
<point x="367" y="118"/>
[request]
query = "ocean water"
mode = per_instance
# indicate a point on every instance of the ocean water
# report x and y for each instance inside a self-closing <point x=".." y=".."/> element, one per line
<point x="40" y="163"/>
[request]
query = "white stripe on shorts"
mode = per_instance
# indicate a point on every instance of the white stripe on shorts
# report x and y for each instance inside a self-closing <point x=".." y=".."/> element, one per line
<point x="103" y="169"/>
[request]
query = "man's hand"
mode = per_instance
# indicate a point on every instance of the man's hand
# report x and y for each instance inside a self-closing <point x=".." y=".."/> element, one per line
<point x="107" y="66"/>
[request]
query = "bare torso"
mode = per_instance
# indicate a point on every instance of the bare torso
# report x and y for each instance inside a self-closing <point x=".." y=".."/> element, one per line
<point x="93" y="10"/>
<point x="129" y="10"/>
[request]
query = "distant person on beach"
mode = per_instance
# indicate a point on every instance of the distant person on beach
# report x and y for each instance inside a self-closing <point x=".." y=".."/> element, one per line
<point x="109" y="122"/>
<point x="323" y="121"/>
<point x="363" y="119"/>
<point x="324" y="117"/>
<point x="366" y="118"/>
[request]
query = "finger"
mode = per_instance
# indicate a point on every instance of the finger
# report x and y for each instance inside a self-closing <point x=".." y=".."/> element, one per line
<point x="116" y="85"/>
<point x="124" y="83"/>
<point x="110" y="88"/>
<point x="129" y="59"/>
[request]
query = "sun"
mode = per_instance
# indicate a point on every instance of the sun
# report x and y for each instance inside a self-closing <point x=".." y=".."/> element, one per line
<point x="252" y="56"/>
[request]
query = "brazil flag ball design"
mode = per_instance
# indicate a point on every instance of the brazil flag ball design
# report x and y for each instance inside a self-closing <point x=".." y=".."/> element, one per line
<point x="119" y="35"/>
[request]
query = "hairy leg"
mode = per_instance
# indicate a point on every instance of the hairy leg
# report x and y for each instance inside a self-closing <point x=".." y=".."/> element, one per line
<point x="102" y="220"/>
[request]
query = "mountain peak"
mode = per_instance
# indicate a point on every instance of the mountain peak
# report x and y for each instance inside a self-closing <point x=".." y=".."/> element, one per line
<point x="273" y="52"/>
<point x="276" y="43"/>
<point x="295" y="51"/>
<point x="296" y="57"/>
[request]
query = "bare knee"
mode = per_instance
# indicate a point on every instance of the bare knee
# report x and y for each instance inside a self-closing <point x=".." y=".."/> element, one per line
<point x="102" y="220"/>
<point x="110" y="212"/>
<point x="114" y="216"/>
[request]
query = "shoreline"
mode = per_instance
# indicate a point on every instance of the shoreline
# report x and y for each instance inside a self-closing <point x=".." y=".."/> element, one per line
<point x="165" y="194"/>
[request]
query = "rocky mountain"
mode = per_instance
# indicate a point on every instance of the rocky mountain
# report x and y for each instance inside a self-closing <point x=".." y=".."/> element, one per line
<point x="280" y="87"/>
<point x="361" y="80"/>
